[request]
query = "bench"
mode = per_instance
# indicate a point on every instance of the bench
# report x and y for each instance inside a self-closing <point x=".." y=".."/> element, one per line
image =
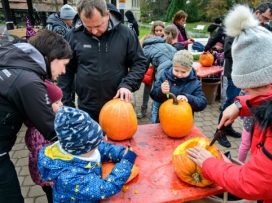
<point x="199" y="28"/>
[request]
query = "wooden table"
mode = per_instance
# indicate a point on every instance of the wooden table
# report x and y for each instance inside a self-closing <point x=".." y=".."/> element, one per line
<point x="206" y="71"/>
<point x="157" y="181"/>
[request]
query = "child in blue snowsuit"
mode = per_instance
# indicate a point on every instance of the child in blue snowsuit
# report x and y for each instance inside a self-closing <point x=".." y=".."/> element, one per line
<point x="74" y="162"/>
<point x="181" y="80"/>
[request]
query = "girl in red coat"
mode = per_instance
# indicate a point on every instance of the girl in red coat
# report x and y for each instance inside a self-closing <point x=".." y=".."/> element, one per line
<point x="252" y="72"/>
<point x="35" y="141"/>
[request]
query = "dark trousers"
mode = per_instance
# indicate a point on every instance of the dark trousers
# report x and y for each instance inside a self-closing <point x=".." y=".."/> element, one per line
<point x="231" y="92"/>
<point x="48" y="191"/>
<point x="10" y="191"/>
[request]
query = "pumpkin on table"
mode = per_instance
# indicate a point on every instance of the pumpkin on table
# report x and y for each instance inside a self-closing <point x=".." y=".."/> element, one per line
<point x="176" y="117"/>
<point x="107" y="168"/>
<point x="118" y="119"/>
<point x="206" y="59"/>
<point x="185" y="168"/>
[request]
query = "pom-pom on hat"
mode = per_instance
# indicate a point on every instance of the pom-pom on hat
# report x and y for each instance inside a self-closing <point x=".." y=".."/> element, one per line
<point x="77" y="132"/>
<point x="251" y="49"/>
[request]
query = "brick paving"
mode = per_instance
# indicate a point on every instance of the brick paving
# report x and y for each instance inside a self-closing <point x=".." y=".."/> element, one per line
<point x="206" y="121"/>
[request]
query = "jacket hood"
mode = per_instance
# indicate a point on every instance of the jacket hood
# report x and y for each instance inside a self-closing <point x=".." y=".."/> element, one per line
<point x="179" y="46"/>
<point x="153" y="40"/>
<point x="263" y="113"/>
<point x="212" y="27"/>
<point x="56" y="161"/>
<point x="129" y="16"/>
<point x="171" y="78"/>
<point x="22" y="55"/>
<point x="54" y="18"/>
<point x="115" y="18"/>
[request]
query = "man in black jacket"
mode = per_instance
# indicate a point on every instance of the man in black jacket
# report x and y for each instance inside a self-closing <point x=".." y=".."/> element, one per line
<point x="23" y="96"/>
<point x="104" y="49"/>
<point x="263" y="13"/>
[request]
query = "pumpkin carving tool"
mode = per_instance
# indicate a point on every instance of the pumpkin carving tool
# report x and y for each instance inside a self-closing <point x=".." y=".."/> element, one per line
<point x="218" y="134"/>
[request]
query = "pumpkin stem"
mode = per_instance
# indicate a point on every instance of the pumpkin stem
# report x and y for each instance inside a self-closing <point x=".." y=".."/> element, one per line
<point x="175" y="101"/>
<point x="197" y="177"/>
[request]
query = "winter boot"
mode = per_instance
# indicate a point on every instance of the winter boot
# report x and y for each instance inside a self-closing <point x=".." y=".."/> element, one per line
<point x="143" y="112"/>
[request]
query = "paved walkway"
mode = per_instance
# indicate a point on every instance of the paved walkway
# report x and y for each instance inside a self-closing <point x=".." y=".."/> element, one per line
<point x="206" y="121"/>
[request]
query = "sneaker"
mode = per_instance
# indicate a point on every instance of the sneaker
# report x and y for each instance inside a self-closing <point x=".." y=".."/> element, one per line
<point x="222" y="140"/>
<point x="233" y="133"/>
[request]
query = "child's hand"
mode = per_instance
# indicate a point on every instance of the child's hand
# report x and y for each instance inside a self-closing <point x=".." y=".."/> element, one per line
<point x="128" y="148"/>
<point x="165" y="87"/>
<point x="182" y="98"/>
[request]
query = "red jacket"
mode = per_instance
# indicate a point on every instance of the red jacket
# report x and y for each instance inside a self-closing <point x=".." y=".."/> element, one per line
<point x="254" y="179"/>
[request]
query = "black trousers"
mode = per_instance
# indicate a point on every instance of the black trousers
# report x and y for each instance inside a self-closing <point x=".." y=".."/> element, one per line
<point x="49" y="193"/>
<point x="10" y="191"/>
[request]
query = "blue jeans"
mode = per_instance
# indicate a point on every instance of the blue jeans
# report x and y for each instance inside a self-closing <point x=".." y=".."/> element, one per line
<point x="155" y="112"/>
<point x="231" y="92"/>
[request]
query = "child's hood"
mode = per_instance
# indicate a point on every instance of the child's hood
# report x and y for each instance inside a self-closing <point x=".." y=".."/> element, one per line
<point x="52" y="162"/>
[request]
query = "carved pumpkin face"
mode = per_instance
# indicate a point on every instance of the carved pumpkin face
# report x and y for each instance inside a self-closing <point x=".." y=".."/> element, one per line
<point x="206" y="59"/>
<point x="107" y="168"/>
<point x="185" y="168"/>
<point x="176" y="117"/>
<point x="118" y="119"/>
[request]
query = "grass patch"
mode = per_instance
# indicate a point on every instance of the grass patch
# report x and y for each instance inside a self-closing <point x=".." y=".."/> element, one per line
<point x="196" y="57"/>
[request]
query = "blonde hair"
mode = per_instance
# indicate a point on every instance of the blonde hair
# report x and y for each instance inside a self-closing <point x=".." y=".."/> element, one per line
<point x="155" y="24"/>
<point x="171" y="32"/>
<point x="148" y="36"/>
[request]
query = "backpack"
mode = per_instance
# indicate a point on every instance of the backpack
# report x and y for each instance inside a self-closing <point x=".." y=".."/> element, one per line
<point x="51" y="26"/>
<point x="197" y="46"/>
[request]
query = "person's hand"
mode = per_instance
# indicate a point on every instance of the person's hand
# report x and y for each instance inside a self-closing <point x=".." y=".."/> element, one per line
<point x="229" y="115"/>
<point x="165" y="87"/>
<point x="198" y="155"/>
<point x="182" y="97"/>
<point x="128" y="148"/>
<point x="190" y="41"/>
<point x="124" y="93"/>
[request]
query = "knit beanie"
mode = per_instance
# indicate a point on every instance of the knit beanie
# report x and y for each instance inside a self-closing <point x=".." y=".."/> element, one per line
<point x="217" y="20"/>
<point x="54" y="92"/>
<point x="184" y="59"/>
<point x="29" y="31"/>
<point x="77" y="132"/>
<point x="251" y="49"/>
<point x="67" y="12"/>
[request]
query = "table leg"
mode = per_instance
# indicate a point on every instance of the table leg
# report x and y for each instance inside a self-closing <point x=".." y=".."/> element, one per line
<point x="225" y="197"/>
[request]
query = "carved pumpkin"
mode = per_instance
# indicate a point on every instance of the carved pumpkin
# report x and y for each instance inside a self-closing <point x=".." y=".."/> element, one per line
<point x="176" y="117"/>
<point x="185" y="168"/>
<point x="206" y="59"/>
<point x="118" y="119"/>
<point x="107" y="168"/>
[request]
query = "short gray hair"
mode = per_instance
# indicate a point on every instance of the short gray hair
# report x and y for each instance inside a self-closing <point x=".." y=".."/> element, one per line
<point x="89" y="5"/>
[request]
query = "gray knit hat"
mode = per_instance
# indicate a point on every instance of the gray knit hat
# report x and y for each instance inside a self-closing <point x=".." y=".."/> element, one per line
<point x="251" y="49"/>
<point x="67" y="12"/>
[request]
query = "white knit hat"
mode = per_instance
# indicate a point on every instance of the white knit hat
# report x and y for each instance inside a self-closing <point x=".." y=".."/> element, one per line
<point x="251" y="49"/>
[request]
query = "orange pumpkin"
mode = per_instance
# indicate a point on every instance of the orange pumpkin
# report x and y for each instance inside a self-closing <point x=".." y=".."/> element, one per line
<point x="107" y="168"/>
<point x="176" y="117"/>
<point x="185" y="168"/>
<point x="206" y="59"/>
<point x="118" y="119"/>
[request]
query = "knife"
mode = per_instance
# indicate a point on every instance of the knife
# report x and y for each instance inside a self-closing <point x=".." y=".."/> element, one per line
<point x="218" y="134"/>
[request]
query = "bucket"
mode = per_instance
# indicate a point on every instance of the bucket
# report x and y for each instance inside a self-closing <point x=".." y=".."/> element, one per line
<point x="209" y="87"/>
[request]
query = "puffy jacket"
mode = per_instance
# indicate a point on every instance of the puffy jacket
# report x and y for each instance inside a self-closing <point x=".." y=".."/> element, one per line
<point x="58" y="26"/>
<point x="79" y="180"/>
<point x="23" y="95"/>
<point x="252" y="180"/>
<point x="189" y="87"/>
<point x="101" y="64"/>
<point x="35" y="142"/>
<point x="159" y="54"/>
